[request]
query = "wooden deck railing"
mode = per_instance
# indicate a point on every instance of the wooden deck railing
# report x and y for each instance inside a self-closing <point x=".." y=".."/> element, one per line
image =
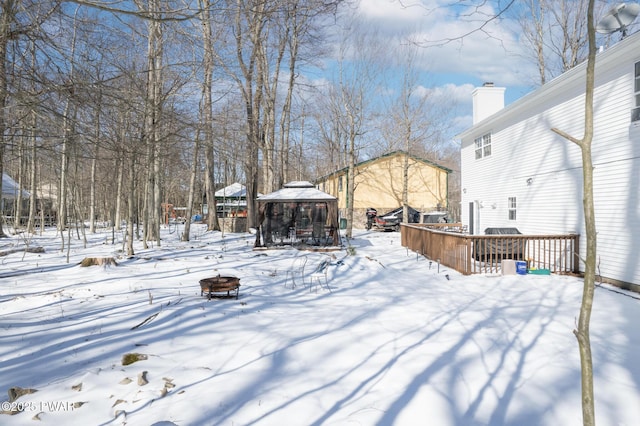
<point x="475" y="254"/>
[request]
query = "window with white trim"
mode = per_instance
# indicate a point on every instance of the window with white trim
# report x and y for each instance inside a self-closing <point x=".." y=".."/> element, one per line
<point x="339" y="183"/>
<point x="635" y="112"/>
<point x="483" y="146"/>
<point x="512" y="208"/>
<point x="636" y="86"/>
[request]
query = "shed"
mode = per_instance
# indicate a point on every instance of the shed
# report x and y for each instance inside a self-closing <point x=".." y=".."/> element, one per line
<point x="378" y="184"/>
<point x="298" y="214"/>
<point x="232" y="200"/>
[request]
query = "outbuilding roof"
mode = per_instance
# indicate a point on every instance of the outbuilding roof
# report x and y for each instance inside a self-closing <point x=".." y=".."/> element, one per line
<point x="299" y="190"/>
<point x="10" y="188"/>
<point x="235" y="190"/>
<point x="382" y="157"/>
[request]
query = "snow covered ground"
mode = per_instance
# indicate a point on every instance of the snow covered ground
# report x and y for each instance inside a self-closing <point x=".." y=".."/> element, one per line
<point x="394" y="340"/>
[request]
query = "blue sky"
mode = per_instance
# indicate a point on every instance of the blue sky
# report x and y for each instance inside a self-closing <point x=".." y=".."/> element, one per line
<point x="457" y="67"/>
<point x="469" y="58"/>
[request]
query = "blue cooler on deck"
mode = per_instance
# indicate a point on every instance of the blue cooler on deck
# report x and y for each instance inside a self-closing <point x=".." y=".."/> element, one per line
<point x="521" y="267"/>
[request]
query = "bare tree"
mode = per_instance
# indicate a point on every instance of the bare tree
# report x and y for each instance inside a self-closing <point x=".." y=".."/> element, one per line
<point x="356" y="81"/>
<point x="533" y="27"/>
<point x="330" y="149"/>
<point x="249" y="22"/>
<point x="294" y="25"/>
<point x="192" y="188"/>
<point x="33" y="164"/>
<point x="18" y="18"/>
<point x="7" y="33"/>
<point x="555" y="31"/>
<point x="207" y="113"/>
<point x="265" y="35"/>
<point x="269" y="68"/>
<point x="152" y="117"/>
<point x="582" y="332"/>
<point x="408" y="124"/>
<point x="303" y="20"/>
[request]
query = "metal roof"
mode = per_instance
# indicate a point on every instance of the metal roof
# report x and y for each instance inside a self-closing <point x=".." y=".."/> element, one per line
<point x="10" y="188"/>
<point x="297" y="191"/>
<point x="235" y="190"/>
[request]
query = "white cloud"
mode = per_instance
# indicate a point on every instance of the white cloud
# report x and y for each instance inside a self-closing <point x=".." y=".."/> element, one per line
<point x="452" y="92"/>
<point x="453" y="40"/>
<point x="459" y="97"/>
<point x="393" y="12"/>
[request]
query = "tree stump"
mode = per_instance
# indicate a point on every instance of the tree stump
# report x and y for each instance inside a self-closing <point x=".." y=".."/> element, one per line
<point x="98" y="261"/>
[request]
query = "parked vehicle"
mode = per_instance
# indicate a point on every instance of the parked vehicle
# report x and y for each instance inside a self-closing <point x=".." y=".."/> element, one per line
<point x="391" y="220"/>
<point x="386" y="222"/>
<point x="414" y="215"/>
<point x="434" y="217"/>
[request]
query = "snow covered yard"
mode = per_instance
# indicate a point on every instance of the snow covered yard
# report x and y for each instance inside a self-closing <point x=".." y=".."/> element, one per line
<point x="395" y="340"/>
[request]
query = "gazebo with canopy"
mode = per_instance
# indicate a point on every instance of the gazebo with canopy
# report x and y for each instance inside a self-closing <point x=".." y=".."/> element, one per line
<point x="298" y="215"/>
<point x="10" y="191"/>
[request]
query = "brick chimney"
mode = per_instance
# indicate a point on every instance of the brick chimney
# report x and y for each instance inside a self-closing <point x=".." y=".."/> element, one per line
<point x="487" y="100"/>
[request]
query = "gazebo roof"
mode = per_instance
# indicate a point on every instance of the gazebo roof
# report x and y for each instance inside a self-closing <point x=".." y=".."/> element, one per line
<point x="297" y="191"/>
<point x="10" y="188"/>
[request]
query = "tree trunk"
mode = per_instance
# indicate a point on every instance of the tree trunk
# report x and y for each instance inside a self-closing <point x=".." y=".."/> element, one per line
<point x="405" y="188"/>
<point x="94" y="166"/>
<point x="582" y="332"/>
<point x="131" y="208"/>
<point x="192" y="189"/>
<point x="33" y="178"/>
<point x="351" y="184"/>
<point x="63" y="202"/>
<point x="207" y="118"/>
<point x="210" y="190"/>
<point x="119" y="166"/>
<point x="18" y="200"/>
<point x="7" y="16"/>
<point x="153" y="110"/>
<point x="92" y="192"/>
<point x="147" y="196"/>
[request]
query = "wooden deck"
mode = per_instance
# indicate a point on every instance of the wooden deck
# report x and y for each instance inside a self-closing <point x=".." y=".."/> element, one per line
<point x="476" y="254"/>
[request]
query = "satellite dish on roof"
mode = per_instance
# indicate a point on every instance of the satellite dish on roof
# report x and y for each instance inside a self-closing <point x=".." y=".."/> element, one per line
<point x="618" y="18"/>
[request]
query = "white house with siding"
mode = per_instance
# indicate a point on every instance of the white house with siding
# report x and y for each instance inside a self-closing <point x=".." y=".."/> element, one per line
<point x="516" y="172"/>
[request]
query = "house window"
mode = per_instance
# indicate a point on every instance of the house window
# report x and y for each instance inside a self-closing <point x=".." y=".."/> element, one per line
<point x="483" y="146"/>
<point x="636" y="86"/>
<point x="512" y="208"/>
<point x="635" y="112"/>
<point x="340" y="184"/>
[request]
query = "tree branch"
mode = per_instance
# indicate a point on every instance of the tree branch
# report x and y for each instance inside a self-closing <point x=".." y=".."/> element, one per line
<point x="168" y="15"/>
<point x="567" y="136"/>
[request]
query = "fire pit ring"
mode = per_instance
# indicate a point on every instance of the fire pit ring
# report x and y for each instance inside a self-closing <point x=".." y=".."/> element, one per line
<point x="217" y="286"/>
